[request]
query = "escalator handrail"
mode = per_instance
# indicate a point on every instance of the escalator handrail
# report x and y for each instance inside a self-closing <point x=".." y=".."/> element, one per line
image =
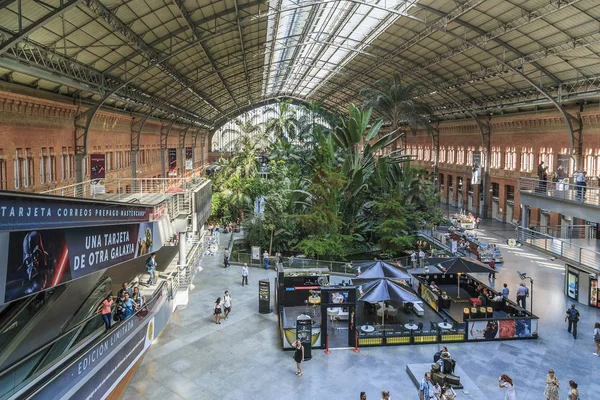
<point x="16" y="312"/>
<point x="62" y="335"/>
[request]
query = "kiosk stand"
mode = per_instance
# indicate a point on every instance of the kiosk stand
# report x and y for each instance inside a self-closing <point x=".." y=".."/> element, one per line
<point x="264" y="296"/>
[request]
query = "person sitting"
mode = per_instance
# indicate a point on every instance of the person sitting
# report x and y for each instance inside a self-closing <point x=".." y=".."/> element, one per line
<point x="434" y="287"/>
<point x="445" y="296"/>
<point x="447" y="392"/>
<point x="437" y="391"/>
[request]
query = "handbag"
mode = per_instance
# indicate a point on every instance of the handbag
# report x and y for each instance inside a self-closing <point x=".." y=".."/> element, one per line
<point x="116" y="317"/>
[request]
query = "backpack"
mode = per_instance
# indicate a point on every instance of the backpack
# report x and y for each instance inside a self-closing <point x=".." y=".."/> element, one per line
<point x="597" y="335"/>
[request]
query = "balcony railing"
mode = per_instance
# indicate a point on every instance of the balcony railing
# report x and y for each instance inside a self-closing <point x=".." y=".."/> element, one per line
<point x="560" y="248"/>
<point x="562" y="190"/>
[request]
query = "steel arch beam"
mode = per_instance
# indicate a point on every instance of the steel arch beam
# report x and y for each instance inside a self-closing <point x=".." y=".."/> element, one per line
<point x="165" y="130"/>
<point x="7" y="40"/>
<point x="187" y="17"/>
<point x="494" y="36"/>
<point x="152" y="55"/>
<point x="137" y="125"/>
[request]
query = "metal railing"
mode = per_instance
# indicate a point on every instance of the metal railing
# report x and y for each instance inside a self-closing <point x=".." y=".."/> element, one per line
<point x="562" y="190"/>
<point x="182" y="275"/>
<point x="560" y="248"/>
<point x="567" y="231"/>
<point x="118" y="188"/>
<point x="337" y="267"/>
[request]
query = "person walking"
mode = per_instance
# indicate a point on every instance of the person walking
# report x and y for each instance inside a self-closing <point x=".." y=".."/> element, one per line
<point x="105" y="309"/>
<point x="277" y="257"/>
<point x="298" y="355"/>
<point x="492" y="274"/>
<point x="477" y="222"/>
<point x="505" y="291"/>
<point x="414" y="257"/>
<point x="505" y="382"/>
<point x="151" y="268"/>
<point x="573" y="391"/>
<point x="597" y="338"/>
<point x="227" y="304"/>
<point x="552" y="386"/>
<point x="573" y="318"/>
<point x="266" y="259"/>
<point x="217" y="310"/>
<point x="226" y="258"/>
<point x="421" y="258"/>
<point x="522" y="294"/>
<point x="245" y="274"/>
<point x="580" y="184"/>
<point x="425" y="388"/>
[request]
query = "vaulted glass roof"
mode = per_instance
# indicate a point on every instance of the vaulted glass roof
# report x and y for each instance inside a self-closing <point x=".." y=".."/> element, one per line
<point x="202" y="62"/>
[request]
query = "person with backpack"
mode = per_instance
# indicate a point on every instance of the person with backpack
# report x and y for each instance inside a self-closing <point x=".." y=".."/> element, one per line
<point x="573" y="317"/>
<point x="151" y="268"/>
<point x="597" y="338"/>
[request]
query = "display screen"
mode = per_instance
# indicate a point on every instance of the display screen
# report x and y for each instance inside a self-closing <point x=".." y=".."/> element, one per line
<point x="573" y="285"/>
<point x="338" y="297"/>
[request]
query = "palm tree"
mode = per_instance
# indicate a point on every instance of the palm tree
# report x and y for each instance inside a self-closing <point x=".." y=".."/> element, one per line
<point x="396" y="103"/>
<point x="245" y="130"/>
<point x="284" y="123"/>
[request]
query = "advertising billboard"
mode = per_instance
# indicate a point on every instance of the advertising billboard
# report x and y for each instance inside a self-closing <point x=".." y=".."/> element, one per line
<point x="97" y="173"/>
<point x="502" y="329"/>
<point x="34" y="212"/>
<point x="172" y="161"/>
<point x="40" y="259"/>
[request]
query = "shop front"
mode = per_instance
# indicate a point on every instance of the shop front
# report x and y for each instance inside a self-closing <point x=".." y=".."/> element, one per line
<point x="581" y="285"/>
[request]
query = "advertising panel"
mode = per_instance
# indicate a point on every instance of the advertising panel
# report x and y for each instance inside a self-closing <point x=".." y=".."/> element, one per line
<point x="172" y="161"/>
<point x="189" y="164"/>
<point x="41" y="259"/>
<point x="483" y="330"/>
<point x="97" y="173"/>
<point x="502" y="329"/>
<point x="573" y="285"/>
<point x="594" y="293"/>
<point x="429" y="297"/>
<point x="476" y="168"/>
<point x="338" y="297"/>
<point x="26" y="213"/>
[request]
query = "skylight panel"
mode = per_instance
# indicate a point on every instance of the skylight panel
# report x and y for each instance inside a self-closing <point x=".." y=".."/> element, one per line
<point x="329" y="32"/>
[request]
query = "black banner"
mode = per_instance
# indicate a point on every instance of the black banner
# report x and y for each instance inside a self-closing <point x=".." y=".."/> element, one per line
<point x="97" y="173"/>
<point x="172" y="161"/>
<point x="22" y="212"/>
<point x="264" y="296"/>
<point x="41" y="259"/>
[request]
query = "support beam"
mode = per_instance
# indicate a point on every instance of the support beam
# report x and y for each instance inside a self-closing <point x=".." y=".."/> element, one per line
<point x="485" y="129"/>
<point x="435" y="145"/>
<point x="82" y="123"/>
<point x="7" y="40"/>
<point x="137" y="125"/>
<point x="151" y="54"/>
<point x="188" y="19"/>
<point x="182" y="136"/>
<point x="165" y="129"/>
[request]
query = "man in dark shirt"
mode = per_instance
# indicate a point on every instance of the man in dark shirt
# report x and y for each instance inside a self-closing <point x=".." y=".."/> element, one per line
<point x="573" y="317"/>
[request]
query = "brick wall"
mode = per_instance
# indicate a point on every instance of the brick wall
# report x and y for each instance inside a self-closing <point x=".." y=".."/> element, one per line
<point x="38" y="131"/>
<point x="536" y="131"/>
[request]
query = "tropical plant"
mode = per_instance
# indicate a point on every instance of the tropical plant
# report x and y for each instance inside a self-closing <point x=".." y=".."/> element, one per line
<point x="396" y="103"/>
<point x="283" y="124"/>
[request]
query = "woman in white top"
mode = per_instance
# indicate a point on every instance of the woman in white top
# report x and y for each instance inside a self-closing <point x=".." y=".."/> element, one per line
<point x="597" y="338"/>
<point x="505" y="382"/>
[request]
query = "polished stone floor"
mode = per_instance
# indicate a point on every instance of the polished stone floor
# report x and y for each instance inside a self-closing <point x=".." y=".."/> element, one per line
<point x="194" y="358"/>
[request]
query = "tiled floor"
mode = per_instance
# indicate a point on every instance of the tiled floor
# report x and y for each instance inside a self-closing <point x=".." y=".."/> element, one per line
<point x="242" y="358"/>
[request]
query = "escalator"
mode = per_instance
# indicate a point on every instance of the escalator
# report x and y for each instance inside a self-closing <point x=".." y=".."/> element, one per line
<point x="23" y="354"/>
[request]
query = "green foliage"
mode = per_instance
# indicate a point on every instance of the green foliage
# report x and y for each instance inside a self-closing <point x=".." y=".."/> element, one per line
<point x="329" y="194"/>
